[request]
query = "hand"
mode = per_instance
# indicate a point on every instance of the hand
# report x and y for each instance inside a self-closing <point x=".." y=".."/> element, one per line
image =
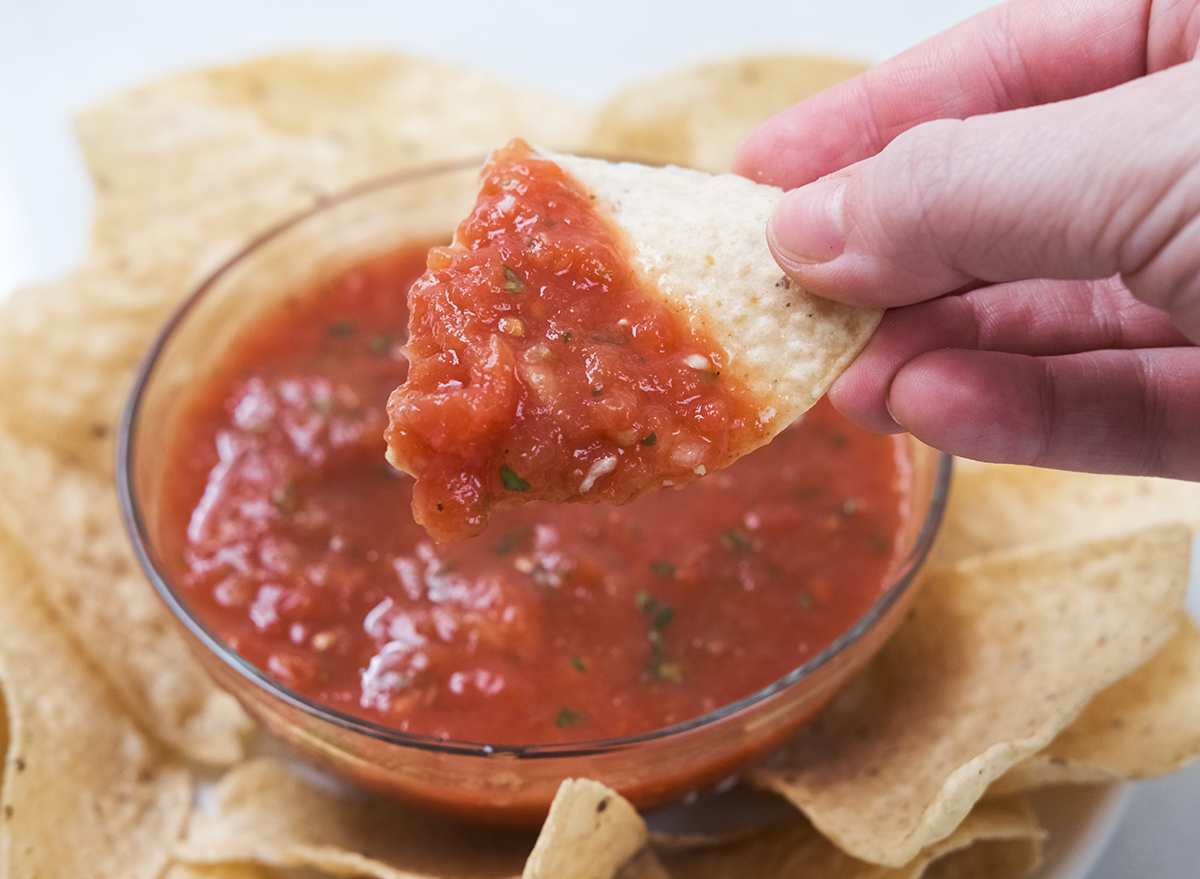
<point x="1040" y="140"/>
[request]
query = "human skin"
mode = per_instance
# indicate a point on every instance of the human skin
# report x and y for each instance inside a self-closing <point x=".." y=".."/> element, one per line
<point x="1022" y="192"/>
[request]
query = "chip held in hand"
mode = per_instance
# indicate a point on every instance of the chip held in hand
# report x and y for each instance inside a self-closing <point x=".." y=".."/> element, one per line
<point x="598" y="330"/>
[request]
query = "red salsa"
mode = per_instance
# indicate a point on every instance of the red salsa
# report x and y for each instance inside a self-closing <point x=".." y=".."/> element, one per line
<point x="541" y="367"/>
<point x="292" y="540"/>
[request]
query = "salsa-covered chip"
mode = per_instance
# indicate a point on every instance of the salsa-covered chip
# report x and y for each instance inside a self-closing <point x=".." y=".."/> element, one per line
<point x="598" y="330"/>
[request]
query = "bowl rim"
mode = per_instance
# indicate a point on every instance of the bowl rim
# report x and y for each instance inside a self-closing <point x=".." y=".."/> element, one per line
<point x="148" y="559"/>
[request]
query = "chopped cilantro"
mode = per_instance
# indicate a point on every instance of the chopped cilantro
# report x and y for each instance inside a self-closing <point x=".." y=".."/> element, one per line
<point x="511" y="480"/>
<point x="511" y="538"/>
<point x="577" y="664"/>
<point x="343" y="329"/>
<point x="567" y="717"/>
<point x="512" y="281"/>
<point x="736" y="540"/>
<point x="663" y="568"/>
<point x="566" y="337"/>
<point x="379" y="344"/>
<point x="650" y="439"/>
<point x="660" y="614"/>
<point x="322" y="405"/>
<point x="596" y="392"/>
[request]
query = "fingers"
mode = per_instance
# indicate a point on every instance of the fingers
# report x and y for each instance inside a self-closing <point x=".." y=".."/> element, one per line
<point x="1034" y="318"/>
<point x="1057" y="191"/>
<point x="1128" y="411"/>
<point x="1014" y="55"/>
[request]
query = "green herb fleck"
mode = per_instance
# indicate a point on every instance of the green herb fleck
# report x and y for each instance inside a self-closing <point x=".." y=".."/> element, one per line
<point x="577" y="664"/>
<point x="660" y="614"/>
<point x="342" y="329"/>
<point x="511" y="480"/>
<point x="512" y="281"/>
<point x="379" y="345"/>
<point x="596" y="392"/>
<point x="567" y="717"/>
<point x="566" y="337"/>
<point x="650" y="439"/>
<point x="736" y="540"/>
<point x="322" y="405"/>
<point x="877" y="544"/>
<point x="512" y="538"/>
<point x="805" y="599"/>
<point x="663" y="568"/>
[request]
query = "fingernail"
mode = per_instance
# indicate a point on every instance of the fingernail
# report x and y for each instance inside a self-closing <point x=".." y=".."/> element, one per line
<point x="808" y="225"/>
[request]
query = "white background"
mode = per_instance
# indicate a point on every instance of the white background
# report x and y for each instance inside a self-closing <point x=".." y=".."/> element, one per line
<point x="58" y="55"/>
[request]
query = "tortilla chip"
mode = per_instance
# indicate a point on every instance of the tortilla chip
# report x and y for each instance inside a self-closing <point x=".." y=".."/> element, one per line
<point x="84" y="792"/>
<point x="699" y="239"/>
<point x="996" y="506"/>
<point x="1145" y="725"/>
<point x="998" y="655"/>
<point x="89" y="576"/>
<point x="697" y="117"/>
<point x="590" y="832"/>
<point x="997" y="840"/>
<point x="268" y="816"/>
<point x="191" y="167"/>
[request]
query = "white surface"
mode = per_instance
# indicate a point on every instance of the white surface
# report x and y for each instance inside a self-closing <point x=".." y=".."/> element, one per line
<point x="59" y="55"/>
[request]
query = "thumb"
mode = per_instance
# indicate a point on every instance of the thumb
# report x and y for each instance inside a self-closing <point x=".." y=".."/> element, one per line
<point x="1081" y="189"/>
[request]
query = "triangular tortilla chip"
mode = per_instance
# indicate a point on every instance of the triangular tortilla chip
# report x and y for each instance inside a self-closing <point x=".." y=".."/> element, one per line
<point x="997" y="840"/>
<point x="997" y="506"/>
<point x="698" y="116"/>
<point x="590" y="832"/>
<point x="999" y="654"/>
<point x="84" y="792"/>
<point x="1145" y="725"/>
<point x="599" y="330"/>
<point x="266" y="815"/>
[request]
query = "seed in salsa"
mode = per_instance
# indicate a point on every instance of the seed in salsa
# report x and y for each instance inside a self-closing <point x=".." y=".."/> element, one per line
<point x="290" y="537"/>
<point x="543" y="364"/>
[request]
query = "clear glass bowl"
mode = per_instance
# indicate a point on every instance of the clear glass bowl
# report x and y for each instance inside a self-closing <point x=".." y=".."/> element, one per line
<point x="498" y="784"/>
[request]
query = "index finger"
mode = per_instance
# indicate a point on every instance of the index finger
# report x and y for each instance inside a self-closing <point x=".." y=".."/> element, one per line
<point x="1018" y="54"/>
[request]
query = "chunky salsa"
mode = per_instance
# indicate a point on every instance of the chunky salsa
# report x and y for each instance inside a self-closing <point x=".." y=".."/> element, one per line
<point x="291" y="538"/>
<point x="542" y="368"/>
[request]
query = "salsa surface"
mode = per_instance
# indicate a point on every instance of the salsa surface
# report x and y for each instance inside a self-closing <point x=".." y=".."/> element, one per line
<point x="541" y="366"/>
<point x="293" y="540"/>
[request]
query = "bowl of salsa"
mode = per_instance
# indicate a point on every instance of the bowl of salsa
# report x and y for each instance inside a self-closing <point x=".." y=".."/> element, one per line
<point x="657" y="647"/>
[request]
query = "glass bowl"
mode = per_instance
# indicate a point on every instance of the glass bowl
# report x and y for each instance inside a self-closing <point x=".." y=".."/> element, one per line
<point x="502" y="784"/>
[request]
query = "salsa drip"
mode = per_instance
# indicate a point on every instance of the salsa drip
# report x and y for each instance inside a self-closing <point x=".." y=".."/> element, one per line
<point x="291" y="539"/>
<point x="543" y="367"/>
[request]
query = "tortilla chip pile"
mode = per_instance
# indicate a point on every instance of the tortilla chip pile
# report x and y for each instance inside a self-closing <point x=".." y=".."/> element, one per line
<point x="1024" y="663"/>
